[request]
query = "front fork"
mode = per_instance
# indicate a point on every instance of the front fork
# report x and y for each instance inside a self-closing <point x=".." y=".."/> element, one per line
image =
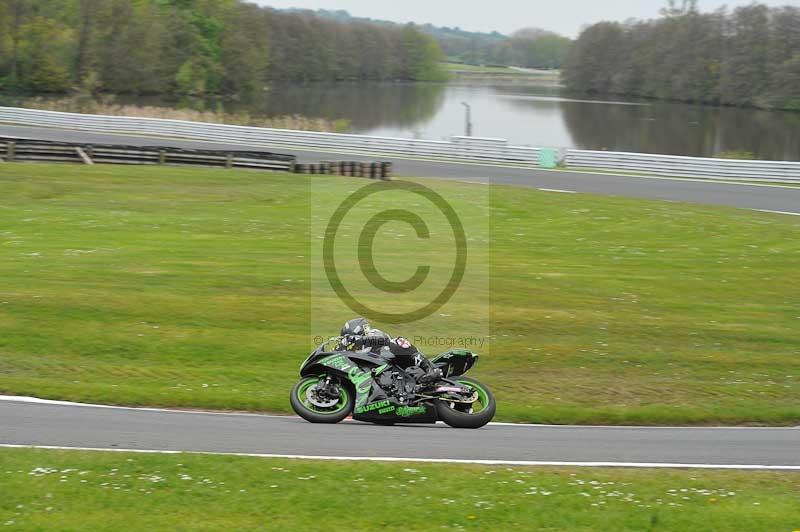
<point x="329" y="387"/>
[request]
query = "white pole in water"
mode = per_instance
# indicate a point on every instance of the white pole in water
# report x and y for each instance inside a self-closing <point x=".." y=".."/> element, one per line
<point x="468" y="108"/>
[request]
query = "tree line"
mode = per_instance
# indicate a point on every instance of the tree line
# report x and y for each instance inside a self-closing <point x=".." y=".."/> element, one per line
<point x="529" y="47"/>
<point x="747" y="57"/>
<point x="196" y="47"/>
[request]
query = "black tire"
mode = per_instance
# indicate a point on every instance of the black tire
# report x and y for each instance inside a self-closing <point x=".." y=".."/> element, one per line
<point x="464" y="420"/>
<point x="318" y="416"/>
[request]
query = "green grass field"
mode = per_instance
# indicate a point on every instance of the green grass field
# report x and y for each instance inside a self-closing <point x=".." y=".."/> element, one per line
<point x="461" y="67"/>
<point x="47" y="490"/>
<point x="500" y="71"/>
<point x="190" y="288"/>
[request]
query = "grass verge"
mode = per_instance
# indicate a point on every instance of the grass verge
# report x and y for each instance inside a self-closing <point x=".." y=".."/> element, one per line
<point x="121" y="491"/>
<point x="190" y="288"/>
<point x="481" y="69"/>
<point x="463" y="67"/>
<point x="88" y="105"/>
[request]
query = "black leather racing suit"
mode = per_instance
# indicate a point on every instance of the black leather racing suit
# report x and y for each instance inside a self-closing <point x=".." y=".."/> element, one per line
<point x="406" y="355"/>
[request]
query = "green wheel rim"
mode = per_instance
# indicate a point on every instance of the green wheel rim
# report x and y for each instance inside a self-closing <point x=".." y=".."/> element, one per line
<point x="483" y="396"/>
<point x="313" y="381"/>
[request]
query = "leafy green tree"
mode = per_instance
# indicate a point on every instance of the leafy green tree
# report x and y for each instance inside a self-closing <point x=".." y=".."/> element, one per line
<point x="87" y="15"/>
<point x="595" y="58"/>
<point x="43" y="56"/>
<point x="784" y="93"/>
<point x="744" y="73"/>
<point x="422" y="56"/>
<point x="15" y="15"/>
<point x="196" y="47"/>
<point x="549" y="51"/>
<point x="686" y="7"/>
<point x="135" y="50"/>
<point x="245" y="51"/>
<point x="743" y="58"/>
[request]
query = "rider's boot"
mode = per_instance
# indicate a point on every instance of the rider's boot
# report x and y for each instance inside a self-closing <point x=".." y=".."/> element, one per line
<point x="432" y="373"/>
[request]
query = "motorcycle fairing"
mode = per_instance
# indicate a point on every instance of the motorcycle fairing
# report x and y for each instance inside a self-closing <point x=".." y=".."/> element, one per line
<point x="362" y="380"/>
<point x="372" y="403"/>
<point x="455" y="362"/>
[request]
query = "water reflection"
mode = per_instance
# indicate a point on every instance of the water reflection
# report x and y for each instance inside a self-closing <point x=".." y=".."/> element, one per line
<point x="680" y="129"/>
<point x="366" y="105"/>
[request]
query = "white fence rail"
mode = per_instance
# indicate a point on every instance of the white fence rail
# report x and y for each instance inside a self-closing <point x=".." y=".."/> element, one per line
<point x="467" y="149"/>
<point x="671" y="165"/>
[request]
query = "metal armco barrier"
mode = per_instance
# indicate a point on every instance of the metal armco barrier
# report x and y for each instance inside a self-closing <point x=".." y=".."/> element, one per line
<point x="677" y="166"/>
<point x="13" y="149"/>
<point x="472" y="149"/>
<point x="463" y="149"/>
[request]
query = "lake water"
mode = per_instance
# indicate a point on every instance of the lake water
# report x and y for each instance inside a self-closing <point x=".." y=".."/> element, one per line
<point x="534" y="116"/>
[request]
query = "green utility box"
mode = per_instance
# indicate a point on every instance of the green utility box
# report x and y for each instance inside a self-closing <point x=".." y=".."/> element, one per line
<point x="548" y="158"/>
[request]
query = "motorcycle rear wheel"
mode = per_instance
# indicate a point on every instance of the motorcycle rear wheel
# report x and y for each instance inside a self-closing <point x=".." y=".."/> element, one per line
<point x="315" y="414"/>
<point x="469" y="420"/>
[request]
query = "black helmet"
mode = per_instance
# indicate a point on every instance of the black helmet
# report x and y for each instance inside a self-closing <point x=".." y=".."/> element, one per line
<point x="357" y="326"/>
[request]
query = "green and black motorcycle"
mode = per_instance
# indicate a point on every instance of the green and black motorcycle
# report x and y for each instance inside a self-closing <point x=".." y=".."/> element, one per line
<point x="367" y="384"/>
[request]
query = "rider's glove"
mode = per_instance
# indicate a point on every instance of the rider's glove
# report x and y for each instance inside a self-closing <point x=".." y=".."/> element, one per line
<point x="433" y="375"/>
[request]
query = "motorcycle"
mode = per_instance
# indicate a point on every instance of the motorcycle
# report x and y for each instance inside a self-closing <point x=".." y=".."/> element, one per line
<point x="367" y="383"/>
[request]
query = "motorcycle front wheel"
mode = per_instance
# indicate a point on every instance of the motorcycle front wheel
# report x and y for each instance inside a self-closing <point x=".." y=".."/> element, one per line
<point x="472" y="416"/>
<point x="310" y="406"/>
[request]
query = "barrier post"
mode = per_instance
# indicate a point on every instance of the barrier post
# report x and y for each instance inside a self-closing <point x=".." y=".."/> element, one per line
<point x="548" y="158"/>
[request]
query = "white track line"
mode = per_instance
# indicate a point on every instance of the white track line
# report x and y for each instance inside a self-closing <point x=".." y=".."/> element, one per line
<point x="648" y="465"/>
<point x="36" y="400"/>
<point x="558" y="190"/>
<point x="778" y="212"/>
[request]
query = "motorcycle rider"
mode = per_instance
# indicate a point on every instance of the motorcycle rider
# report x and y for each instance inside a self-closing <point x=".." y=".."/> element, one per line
<point x="358" y="333"/>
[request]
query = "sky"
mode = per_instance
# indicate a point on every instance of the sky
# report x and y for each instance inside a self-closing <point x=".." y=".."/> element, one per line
<point x="566" y="17"/>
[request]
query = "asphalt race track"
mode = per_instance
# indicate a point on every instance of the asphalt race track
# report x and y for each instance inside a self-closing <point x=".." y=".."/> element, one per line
<point x="770" y="197"/>
<point x="31" y="422"/>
